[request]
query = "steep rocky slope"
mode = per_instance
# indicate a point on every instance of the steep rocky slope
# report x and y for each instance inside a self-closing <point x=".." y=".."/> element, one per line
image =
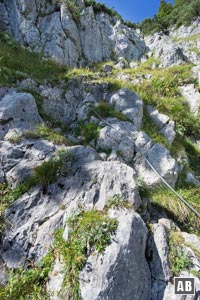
<point x="82" y="213"/>
<point x="70" y="33"/>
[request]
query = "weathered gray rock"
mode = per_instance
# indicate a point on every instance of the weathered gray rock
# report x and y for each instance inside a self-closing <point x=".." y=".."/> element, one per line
<point x="121" y="64"/>
<point x="66" y="37"/>
<point x="161" y="160"/>
<point x="35" y="216"/>
<point x="108" y="68"/>
<point x="191" y="239"/>
<point x="173" y="56"/>
<point x="118" y="137"/>
<point x="179" y="46"/>
<point x="191" y="96"/>
<point x="56" y="278"/>
<point x="70" y="106"/>
<point x="143" y="142"/>
<point x="160" y="268"/>
<point x="129" y="103"/>
<point x="165" y="126"/>
<point x="190" y="178"/>
<point x="120" y="272"/>
<point x="159" y="119"/>
<point x="168" y="131"/>
<point x="18" y="161"/>
<point x="18" y="111"/>
<point x="4" y="20"/>
<point x="133" y="64"/>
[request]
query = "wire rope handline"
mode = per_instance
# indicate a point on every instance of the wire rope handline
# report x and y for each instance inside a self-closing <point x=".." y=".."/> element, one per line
<point x="148" y="162"/>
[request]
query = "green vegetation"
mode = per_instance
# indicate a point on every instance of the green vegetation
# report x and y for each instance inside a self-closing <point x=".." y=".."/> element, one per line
<point x="100" y="7"/>
<point x="193" y="153"/>
<point x="118" y="202"/>
<point x="89" y="132"/>
<point x="44" y="174"/>
<point x="27" y="64"/>
<point x="161" y="91"/>
<point x="149" y="127"/>
<point x="108" y="111"/>
<point x="164" y="199"/>
<point x="89" y="231"/>
<point x="29" y="283"/>
<point x="181" y="13"/>
<point x="73" y="8"/>
<point x="9" y="195"/>
<point x="178" y="257"/>
<point x="50" y="170"/>
<point x="47" y="133"/>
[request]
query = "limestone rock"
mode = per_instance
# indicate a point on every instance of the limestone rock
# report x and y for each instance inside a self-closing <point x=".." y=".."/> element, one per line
<point x="18" y="110"/>
<point x="192" y="97"/>
<point x="129" y="103"/>
<point x="179" y="46"/>
<point x="35" y="216"/>
<point x="190" y="178"/>
<point x="54" y="284"/>
<point x="120" y="272"/>
<point x="160" y="268"/>
<point x="173" y="56"/>
<point x="69" y="38"/>
<point x="168" y="131"/>
<point x="118" y="137"/>
<point x="143" y="142"/>
<point x="167" y="127"/>
<point x="159" y="119"/>
<point x="18" y="161"/>
<point x="191" y="239"/>
<point x="160" y="158"/>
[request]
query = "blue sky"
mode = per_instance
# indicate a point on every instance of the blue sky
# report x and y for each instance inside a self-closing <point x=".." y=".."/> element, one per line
<point x="134" y="10"/>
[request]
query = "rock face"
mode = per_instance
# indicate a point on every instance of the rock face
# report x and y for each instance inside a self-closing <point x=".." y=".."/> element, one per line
<point x="161" y="160"/>
<point x="181" y="45"/>
<point x="18" y="111"/>
<point x="34" y="216"/>
<point x="70" y="38"/>
<point x="120" y="273"/>
<point x="115" y="138"/>
<point x="130" y="104"/>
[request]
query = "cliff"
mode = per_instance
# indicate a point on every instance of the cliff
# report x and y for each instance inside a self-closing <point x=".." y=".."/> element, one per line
<point x="86" y="141"/>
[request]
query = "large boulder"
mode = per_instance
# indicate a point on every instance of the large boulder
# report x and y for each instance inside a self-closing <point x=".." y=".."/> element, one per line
<point x="35" y="216"/>
<point x="192" y="97"/>
<point x="118" y="137"/>
<point x="165" y="126"/>
<point x="161" y="160"/>
<point x="129" y="103"/>
<point x="70" y="106"/>
<point x="121" y="271"/>
<point x="18" y="111"/>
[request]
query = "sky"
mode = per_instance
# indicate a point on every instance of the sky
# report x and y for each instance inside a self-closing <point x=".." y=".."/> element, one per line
<point x="134" y="10"/>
